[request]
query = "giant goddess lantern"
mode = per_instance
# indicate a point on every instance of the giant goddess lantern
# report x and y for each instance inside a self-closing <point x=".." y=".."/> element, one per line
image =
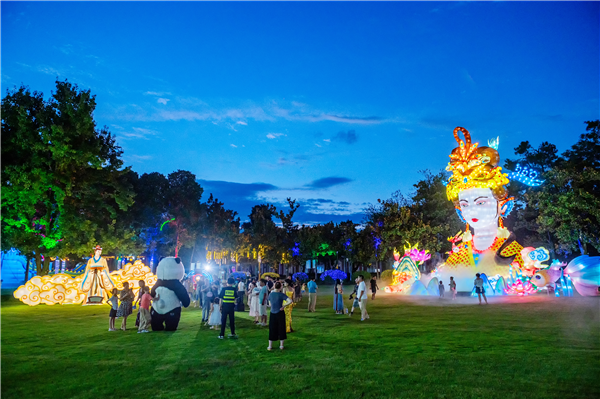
<point x="477" y="187"/>
<point x="96" y="282"/>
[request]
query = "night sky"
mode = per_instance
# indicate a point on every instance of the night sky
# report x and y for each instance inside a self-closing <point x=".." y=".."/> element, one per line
<point x="335" y="104"/>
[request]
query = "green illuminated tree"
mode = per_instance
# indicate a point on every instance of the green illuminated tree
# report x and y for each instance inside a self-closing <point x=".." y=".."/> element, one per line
<point x="63" y="184"/>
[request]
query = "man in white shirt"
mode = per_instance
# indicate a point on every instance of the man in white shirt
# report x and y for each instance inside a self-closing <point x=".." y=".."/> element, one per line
<point x="362" y="298"/>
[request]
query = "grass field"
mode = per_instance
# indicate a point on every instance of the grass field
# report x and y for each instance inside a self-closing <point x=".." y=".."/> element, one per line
<point x="413" y="347"/>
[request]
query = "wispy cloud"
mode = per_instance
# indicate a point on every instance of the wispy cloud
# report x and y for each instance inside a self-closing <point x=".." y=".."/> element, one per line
<point x="328" y="182"/>
<point x="194" y="109"/>
<point x="274" y="135"/>
<point x="157" y="93"/>
<point x="319" y="116"/>
<point x="348" y="137"/>
<point x="327" y="140"/>
<point x="66" y="49"/>
<point x="139" y="157"/>
<point x="135" y="133"/>
<point x="163" y="101"/>
<point x="79" y="75"/>
<point x="233" y="145"/>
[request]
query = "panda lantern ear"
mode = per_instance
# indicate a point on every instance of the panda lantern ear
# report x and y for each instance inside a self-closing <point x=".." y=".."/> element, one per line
<point x="178" y="260"/>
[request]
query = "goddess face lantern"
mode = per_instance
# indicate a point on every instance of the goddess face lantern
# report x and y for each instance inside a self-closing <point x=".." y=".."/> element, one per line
<point x="477" y="185"/>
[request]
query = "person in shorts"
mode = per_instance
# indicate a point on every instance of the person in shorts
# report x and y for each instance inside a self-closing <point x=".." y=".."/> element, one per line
<point x="374" y="287"/>
<point x="262" y="302"/>
<point x="479" y="288"/>
<point x="355" y="303"/>
<point x="453" y="287"/>
<point x="113" y="301"/>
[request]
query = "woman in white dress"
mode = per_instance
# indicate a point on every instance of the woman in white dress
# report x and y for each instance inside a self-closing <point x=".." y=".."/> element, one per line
<point x="255" y="305"/>
<point x="251" y="286"/>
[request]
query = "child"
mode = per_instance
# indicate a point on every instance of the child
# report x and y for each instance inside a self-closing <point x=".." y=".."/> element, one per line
<point x="113" y="301"/>
<point x="141" y="284"/>
<point x="442" y="289"/>
<point x="453" y="287"/>
<point x="214" y="321"/>
<point x="303" y="288"/>
<point x="355" y="303"/>
<point x="145" y="310"/>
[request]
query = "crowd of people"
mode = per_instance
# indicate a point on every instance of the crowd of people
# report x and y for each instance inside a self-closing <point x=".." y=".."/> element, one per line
<point x="220" y="300"/>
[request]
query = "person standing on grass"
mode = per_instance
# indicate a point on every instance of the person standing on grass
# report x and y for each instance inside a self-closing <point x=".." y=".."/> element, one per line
<point x="228" y="297"/>
<point x="198" y="292"/>
<point x="441" y="289"/>
<point x="263" y="296"/>
<point x="374" y="287"/>
<point x="335" y="296"/>
<point x="241" y="288"/>
<point x="125" y="309"/>
<point x="479" y="288"/>
<point x="297" y="291"/>
<point x="145" y="310"/>
<point x="270" y="283"/>
<point x="113" y="301"/>
<point x="142" y="284"/>
<point x="289" y="291"/>
<point x="253" y="291"/>
<point x="362" y="298"/>
<point x="214" y="321"/>
<point x="312" y="294"/>
<point x="206" y="297"/>
<point x="340" y="297"/>
<point x="279" y="301"/>
<point x="354" y="295"/>
<point x="452" y="286"/>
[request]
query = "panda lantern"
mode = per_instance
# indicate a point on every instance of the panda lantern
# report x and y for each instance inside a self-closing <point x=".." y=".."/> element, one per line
<point x="166" y="311"/>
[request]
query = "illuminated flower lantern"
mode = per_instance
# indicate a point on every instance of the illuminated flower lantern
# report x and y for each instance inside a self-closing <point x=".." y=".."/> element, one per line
<point x="406" y="270"/>
<point x="477" y="189"/>
<point x="521" y="288"/>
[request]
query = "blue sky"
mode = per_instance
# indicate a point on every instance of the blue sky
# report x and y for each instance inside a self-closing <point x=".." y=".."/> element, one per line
<point x="335" y="104"/>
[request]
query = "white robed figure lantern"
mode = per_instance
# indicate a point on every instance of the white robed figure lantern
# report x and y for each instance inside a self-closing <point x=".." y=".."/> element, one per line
<point x="96" y="282"/>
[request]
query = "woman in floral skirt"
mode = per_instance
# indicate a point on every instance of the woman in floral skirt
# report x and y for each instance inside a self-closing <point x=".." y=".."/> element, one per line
<point x="125" y="308"/>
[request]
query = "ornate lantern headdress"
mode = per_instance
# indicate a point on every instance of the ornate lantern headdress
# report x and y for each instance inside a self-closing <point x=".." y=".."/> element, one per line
<point x="474" y="167"/>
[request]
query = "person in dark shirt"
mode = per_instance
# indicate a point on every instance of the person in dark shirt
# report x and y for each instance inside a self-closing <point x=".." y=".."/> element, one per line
<point x="279" y="301"/>
<point x="354" y="295"/>
<point x="374" y="287"/>
<point x="228" y="297"/>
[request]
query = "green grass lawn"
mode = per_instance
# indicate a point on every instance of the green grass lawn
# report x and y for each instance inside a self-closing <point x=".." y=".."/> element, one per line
<point x="412" y="347"/>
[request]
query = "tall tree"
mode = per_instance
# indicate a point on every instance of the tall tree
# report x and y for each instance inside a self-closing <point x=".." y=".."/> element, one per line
<point x="568" y="203"/>
<point x="62" y="180"/>
<point x="183" y="205"/>
<point x="261" y="231"/>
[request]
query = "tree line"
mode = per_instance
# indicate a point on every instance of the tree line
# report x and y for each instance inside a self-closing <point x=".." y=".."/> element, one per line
<point x="65" y="189"/>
